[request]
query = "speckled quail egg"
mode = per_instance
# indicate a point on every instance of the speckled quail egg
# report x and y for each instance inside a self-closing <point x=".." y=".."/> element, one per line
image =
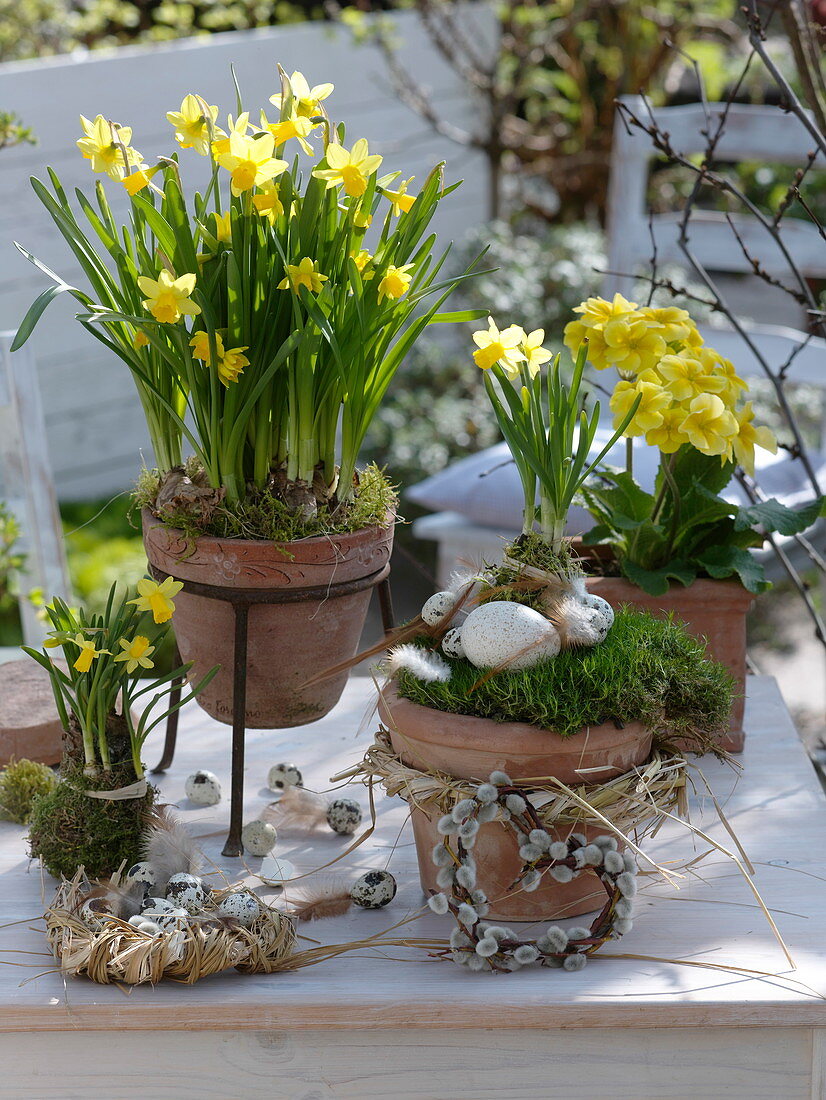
<point x="508" y="634"/>
<point x="601" y="605"/>
<point x="186" y="891"/>
<point x="203" y="788"/>
<point x="373" y="890"/>
<point x="344" y="816"/>
<point x="258" y="837"/>
<point x="452" y="645"/>
<point x="157" y="905"/>
<point x="242" y="906"/>
<point x="282" y="776"/>
<point x="169" y="921"/>
<point x="140" y="872"/>
<point x="439" y="605"/>
<point x="95" y="911"/>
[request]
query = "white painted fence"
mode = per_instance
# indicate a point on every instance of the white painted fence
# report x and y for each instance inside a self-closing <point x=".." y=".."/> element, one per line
<point x="94" y="423"/>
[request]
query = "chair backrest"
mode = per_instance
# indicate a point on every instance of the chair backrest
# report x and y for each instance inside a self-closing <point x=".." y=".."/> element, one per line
<point x="27" y="485"/>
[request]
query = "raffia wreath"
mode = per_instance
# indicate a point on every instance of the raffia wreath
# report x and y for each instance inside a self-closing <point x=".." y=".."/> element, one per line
<point x="481" y="946"/>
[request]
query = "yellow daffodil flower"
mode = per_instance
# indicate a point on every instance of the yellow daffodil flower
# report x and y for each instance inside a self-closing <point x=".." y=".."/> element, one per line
<point x="57" y="638"/>
<point x="250" y="161"/>
<point x="136" y="653"/>
<point x="352" y="169"/>
<point x="650" y="413"/>
<point x="400" y="201"/>
<point x="200" y="346"/>
<point x="238" y="126"/>
<point x="157" y="598"/>
<point x="194" y="124"/>
<point x="631" y="346"/>
<point x="140" y="340"/>
<point x="268" y="203"/>
<point x="709" y="425"/>
<point x="748" y="437"/>
<point x="395" y="282"/>
<point x="576" y="333"/>
<point x="503" y="347"/>
<point x="88" y="653"/>
<point x="668" y="435"/>
<point x="671" y="322"/>
<point x="223" y="227"/>
<point x="535" y="354"/>
<point x="304" y="273"/>
<point x="293" y="126"/>
<point x="597" y="312"/>
<point x="306" y="100"/>
<point x="106" y="145"/>
<point x="232" y="364"/>
<point x="362" y="220"/>
<point x="168" y="299"/>
<point x="362" y="259"/>
<point x="138" y="179"/>
<point x="685" y="376"/>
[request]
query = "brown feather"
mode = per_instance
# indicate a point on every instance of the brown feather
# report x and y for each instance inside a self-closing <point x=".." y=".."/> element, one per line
<point x="297" y="808"/>
<point x="328" y="899"/>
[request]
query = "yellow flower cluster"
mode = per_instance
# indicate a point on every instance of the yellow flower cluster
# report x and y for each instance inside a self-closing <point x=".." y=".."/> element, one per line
<point x="688" y="392"/>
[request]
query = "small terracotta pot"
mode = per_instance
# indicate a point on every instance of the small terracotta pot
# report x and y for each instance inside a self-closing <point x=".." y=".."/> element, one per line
<point x="712" y="610"/>
<point x="471" y="748"/>
<point x="288" y="643"/>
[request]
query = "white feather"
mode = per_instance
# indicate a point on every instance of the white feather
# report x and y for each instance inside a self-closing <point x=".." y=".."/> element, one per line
<point x="421" y="663"/>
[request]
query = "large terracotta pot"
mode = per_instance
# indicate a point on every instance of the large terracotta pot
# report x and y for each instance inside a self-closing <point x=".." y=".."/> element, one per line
<point x="712" y="610"/>
<point x="471" y="748"/>
<point x="288" y="643"/>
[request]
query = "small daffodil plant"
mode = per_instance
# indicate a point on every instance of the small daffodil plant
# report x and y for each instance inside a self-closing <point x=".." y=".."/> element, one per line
<point x="688" y="401"/>
<point x="264" y="309"/>
<point x="107" y="658"/>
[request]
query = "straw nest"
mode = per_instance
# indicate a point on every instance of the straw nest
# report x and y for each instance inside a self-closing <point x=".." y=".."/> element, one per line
<point x="636" y="801"/>
<point x="117" y="952"/>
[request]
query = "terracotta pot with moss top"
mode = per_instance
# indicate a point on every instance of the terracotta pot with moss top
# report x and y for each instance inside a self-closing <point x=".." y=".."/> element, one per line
<point x="288" y="642"/>
<point x="467" y="747"/>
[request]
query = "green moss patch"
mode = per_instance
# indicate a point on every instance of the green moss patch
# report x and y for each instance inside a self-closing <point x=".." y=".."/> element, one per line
<point x="20" y="784"/>
<point x="647" y="670"/>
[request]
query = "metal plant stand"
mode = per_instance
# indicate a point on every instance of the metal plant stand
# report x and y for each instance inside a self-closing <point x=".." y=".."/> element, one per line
<point x="242" y="599"/>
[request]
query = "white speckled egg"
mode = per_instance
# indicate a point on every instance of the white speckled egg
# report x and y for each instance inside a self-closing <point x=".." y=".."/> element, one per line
<point x="157" y="905"/>
<point x="258" y="837"/>
<point x="282" y="776"/>
<point x="203" y="788"/>
<point x="241" y="906"/>
<point x="95" y="911"/>
<point x="344" y="816"/>
<point x="452" y="643"/>
<point x="511" y="634"/>
<point x="140" y="872"/>
<point x="187" y="892"/>
<point x="601" y="605"/>
<point x="439" y="605"/>
<point x="373" y="890"/>
<point x="169" y="921"/>
<point x="585" y="625"/>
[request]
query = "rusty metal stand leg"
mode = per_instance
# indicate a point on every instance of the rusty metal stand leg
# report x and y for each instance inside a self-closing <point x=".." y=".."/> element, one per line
<point x="233" y="846"/>
<point x="172" y="721"/>
<point x="386" y="605"/>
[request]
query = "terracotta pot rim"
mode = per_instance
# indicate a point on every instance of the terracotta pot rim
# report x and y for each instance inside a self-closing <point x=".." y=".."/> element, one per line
<point x="602" y="553"/>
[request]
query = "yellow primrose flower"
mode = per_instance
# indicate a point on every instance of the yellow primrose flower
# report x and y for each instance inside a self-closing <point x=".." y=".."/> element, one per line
<point x="140" y="340"/>
<point x="631" y="346"/>
<point x="748" y="437"/>
<point x="650" y="413"/>
<point x="709" y="425"/>
<point x="597" y="312"/>
<point x="268" y="203"/>
<point x="535" y="354"/>
<point x="223" y="227"/>
<point x="193" y="124"/>
<point x="400" y="201"/>
<point x="167" y="299"/>
<point x="157" y="598"/>
<point x="88" y="653"/>
<point x="306" y="100"/>
<point x="685" y="376"/>
<point x="732" y="386"/>
<point x="293" y="126"/>
<point x="575" y="335"/>
<point x="351" y="169"/>
<point x="503" y="347"/>
<point x="136" y="653"/>
<point x="668" y="435"/>
<point x="250" y="161"/>
<point x="395" y="282"/>
<point x="239" y="126"/>
<point x="232" y="364"/>
<point x="200" y="346"/>
<point x="104" y="144"/>
<point x="304" y="273"/>
<point x="671" y="322"/>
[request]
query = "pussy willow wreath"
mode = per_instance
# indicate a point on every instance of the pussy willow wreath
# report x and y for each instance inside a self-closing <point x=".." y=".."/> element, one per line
<point x="481" y="946"/>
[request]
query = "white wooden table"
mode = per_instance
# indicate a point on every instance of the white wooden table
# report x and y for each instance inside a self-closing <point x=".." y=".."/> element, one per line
<point x="368" y="1025"/>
